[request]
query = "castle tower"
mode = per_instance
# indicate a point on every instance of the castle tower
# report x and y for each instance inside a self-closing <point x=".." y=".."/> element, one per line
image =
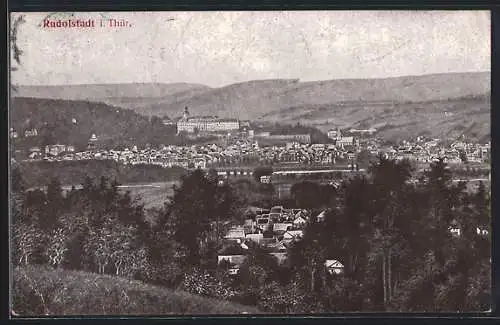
<point x="185" y="115"/>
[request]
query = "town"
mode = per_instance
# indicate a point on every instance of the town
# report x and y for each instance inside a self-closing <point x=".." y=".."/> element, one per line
<point x="240" y="146"/>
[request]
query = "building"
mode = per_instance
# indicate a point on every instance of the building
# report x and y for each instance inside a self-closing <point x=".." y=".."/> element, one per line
<point x="31" y="133"/>
<point x="35" y="153"/>
<point x="205" y="124"/>
<point x="13" y="133"/>
<point x="301" y="138"/>
<point x="55" y="149"/>
<point x="235" y="234"/>
<point x="266" y="179"/>
<point x="347" y="141"/>
<point x="92" y="143"/>
<point x="245" y="124"/>
<point x="363" y="131"/>
<point x="333" y="134"/>
<point x="334" y="267"/>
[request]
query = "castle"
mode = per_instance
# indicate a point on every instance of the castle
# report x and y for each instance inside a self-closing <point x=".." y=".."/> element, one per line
<point x="205" y="124"/>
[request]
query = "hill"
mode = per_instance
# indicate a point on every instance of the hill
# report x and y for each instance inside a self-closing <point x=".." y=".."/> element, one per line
<point x="434" y="105"/>
<point x="252" y="100"/>
<point x="470" y="116"/>
<point x="79" y="293"/>
<point x="73" y="122"/>
<point x="100" y="92"/>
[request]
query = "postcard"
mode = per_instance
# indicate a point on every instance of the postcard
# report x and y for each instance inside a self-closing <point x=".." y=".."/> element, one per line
<point x="249" y="162"/>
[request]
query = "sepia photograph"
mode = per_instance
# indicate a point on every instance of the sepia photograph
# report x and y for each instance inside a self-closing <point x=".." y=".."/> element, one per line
<point x="249" y="162"/>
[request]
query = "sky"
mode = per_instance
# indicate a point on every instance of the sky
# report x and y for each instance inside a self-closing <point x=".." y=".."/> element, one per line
<point x="225" y="47"/>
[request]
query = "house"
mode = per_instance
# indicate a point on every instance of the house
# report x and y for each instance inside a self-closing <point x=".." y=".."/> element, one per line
<point x="274" y="217"/>
<point x="263" y="222"/>
<point x="55" y="149"/>
<point x="235" y="234"/>
<point x="333" y="134"/>
<point x="482" y="231"/>
<point x="347" y="141"/>
<point x="268" y="242"/>
<point x="455" y="229"/>
<point x="334" y="267"/>
<point x="265" y="179"/>
<point x="299" y="221"/>
<point x="249" y="226"/>
<point x="281" y="228"/>
<point x="256" y="238"/>
<point x="235" y="262"/>
<point x="35" y="152"/>
<point x="293" y="235"/>
<point x="31" y="133"/>
<point x="200" y="163"/>
<point x="351" y="155"/>
<point x="321" y="217"/>
<point x="13" y="133"/>
<point x="277" y="209"/>
<point x="235" y="255"/>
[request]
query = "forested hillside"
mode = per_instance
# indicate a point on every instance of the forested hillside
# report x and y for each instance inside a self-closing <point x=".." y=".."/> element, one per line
<point x="74" y="122"/>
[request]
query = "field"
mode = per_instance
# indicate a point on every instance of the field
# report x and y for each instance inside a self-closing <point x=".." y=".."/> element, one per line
<point x="38" y="174"/>
<point x="40" y="290"/>
<point x="152" y="195"/>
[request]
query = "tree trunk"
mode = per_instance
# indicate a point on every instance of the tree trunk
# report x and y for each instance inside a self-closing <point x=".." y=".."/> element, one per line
<point x="389" y="275"/>
<point x="384" y="280"/>
<point x="312" y="279"/>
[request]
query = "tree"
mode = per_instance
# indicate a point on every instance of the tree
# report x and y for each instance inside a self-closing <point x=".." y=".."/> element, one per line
<point x="57" y="247"/>
<point x="156" y="121"/>
<point x="193" y="208"/>
<point x="201" y="282"/>
<point x="463" y="157"/>
<point x="128" y="256"/>
<point x="311" y="195"/>
<point x="54" y="204"/>
<point x="16" y="179"/>
<point x="16" y="52"/>
<point x="390" y="191"/>
<point x="26" y="240"/>
<point x="98" y="248"/>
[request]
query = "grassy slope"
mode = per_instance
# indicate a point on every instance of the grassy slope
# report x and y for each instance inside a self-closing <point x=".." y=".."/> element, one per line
<point x="397" y="120"/>
<point x="80" y="293"/>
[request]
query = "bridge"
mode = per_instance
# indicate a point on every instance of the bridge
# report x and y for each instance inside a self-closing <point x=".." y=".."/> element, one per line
<point x="290" y="170"/>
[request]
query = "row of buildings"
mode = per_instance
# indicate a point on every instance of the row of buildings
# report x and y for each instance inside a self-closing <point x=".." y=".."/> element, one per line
<point x="30" y="132"/>
<point x="275" y="230"/>
<point x="250" y="153"/>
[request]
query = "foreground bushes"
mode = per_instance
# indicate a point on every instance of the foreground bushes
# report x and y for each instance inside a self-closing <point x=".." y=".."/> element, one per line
<point x="40" y="290"/>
